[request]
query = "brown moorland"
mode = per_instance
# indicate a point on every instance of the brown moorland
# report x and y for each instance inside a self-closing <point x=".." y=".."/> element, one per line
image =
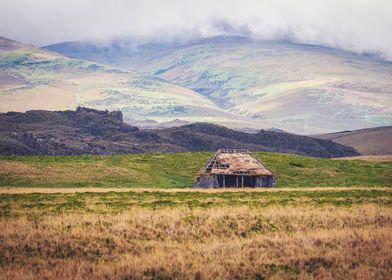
<point x="340" y="234"/>
<point x="385" y="158"/>
<point x="370" y="141"/>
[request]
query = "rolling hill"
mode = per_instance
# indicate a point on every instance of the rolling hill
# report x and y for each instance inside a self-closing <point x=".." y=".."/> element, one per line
<point x="299" y="88"/>
<point x="38" y="79"/>
<point x="88" y="131"/>
<point x="371" y="141"/>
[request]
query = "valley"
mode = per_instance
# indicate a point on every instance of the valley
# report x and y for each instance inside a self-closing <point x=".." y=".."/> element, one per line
<point x="33" y="78"/>
<point x="231" y="81"/>
<point x="299" y="88"/>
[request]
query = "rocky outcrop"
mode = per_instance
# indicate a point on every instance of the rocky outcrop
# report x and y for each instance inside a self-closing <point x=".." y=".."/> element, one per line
<point x="89" y="131"/>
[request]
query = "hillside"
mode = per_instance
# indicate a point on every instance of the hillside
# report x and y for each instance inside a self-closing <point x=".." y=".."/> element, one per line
<point x="371" y="141"/>
<point x="88" y="131"/>
<point x="175" y="170"/>
<point x="299" y="88"/>
<point x="37" y="79"/>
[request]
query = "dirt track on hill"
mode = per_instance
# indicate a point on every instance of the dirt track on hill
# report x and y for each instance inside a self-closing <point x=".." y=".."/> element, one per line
<point x="103" y="190"/>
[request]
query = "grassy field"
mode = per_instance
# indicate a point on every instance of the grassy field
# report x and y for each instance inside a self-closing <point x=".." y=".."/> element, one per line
<point x="176" y="170"/>
<point x="327" y="219"/>
<point x="14" y="205"/>
<point x="290" y="234"/>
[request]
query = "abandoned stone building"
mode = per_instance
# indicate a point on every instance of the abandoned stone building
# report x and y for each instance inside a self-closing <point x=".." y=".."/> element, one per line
<point x="233" y="168"/>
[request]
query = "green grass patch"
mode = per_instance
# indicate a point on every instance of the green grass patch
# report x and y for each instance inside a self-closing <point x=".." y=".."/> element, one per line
<point x="175" y="170"/>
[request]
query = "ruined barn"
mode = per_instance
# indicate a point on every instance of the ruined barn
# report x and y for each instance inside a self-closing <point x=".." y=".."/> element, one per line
<point x="233" y="168"/>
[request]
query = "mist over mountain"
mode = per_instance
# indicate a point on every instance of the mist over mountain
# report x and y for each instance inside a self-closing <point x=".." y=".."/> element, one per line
<point x="360" y="26"/>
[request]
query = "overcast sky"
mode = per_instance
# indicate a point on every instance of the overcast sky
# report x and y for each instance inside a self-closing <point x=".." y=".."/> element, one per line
<point x="357" y="25"/>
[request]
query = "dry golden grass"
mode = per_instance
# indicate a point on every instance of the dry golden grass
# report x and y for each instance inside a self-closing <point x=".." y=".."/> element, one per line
<point x="181" y="243"/>
<point x="17" y="168"/>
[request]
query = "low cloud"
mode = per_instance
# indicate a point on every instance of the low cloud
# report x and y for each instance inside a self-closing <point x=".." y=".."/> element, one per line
<point x="356" y="25"/>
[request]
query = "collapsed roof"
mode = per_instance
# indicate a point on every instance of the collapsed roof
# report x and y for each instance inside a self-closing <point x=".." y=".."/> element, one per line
<point x="234" y="162"/>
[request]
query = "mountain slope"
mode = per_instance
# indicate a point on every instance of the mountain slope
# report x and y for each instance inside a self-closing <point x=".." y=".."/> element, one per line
<point x="301" y="88"/>
<point x="32" y="78"/>
<point x="88" y="131"/>
<point x="371" y="141"/>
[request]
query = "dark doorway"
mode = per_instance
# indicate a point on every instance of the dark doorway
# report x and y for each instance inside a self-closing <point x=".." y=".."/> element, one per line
<point x="236" y="181"/>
